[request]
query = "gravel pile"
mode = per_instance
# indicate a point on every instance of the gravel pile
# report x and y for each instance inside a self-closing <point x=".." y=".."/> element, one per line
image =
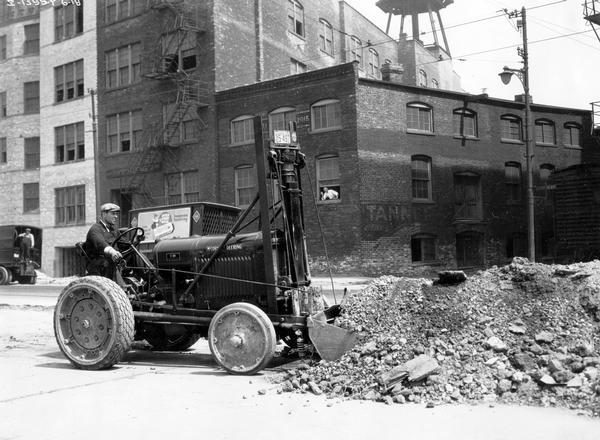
<point x="525" y="333"/>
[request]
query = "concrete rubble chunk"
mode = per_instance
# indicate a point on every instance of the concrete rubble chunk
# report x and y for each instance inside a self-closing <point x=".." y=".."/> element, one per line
<point x="544" y="336"/>
<point x="546" y="379"/>
<point x="576" y="382"/>
<point x="496" y="344"/>
<point x="517" y="329"/>
<point x="414" y="370"/>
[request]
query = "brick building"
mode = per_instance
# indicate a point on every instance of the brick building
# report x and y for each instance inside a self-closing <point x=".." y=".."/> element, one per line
<point x="425" y="177"/>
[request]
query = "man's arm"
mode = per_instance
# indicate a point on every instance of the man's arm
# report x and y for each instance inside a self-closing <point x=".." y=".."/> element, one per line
<point x="98" y="237"/>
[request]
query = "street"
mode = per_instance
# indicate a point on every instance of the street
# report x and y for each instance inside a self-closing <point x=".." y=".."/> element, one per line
<point x="184" y="395"/>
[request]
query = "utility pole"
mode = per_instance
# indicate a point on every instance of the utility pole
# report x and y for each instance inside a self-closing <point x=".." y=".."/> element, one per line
<point x="96" y="155"/>
<point x="523" y="75"/>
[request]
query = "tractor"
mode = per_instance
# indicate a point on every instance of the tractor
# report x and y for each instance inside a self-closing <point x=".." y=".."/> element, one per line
<point x="243" y="283"/>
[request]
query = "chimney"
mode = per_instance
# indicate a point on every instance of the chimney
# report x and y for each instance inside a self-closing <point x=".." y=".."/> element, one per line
<point x="521" y="98"/>
<point x="392" y="73"/>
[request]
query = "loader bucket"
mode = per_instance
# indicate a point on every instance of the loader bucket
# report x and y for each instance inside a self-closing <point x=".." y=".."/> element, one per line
<point x="330" y="341"/>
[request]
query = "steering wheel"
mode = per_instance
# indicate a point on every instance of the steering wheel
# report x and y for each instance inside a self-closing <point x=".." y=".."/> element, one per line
<point x="129" y="243"/>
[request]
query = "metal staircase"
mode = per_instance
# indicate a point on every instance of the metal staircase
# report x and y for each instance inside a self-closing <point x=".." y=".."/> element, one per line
<point x="155" y="146"/>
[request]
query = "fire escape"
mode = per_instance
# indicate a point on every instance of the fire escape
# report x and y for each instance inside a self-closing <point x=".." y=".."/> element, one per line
<point x="591" y="12"/>
<point x="168" y="62"/>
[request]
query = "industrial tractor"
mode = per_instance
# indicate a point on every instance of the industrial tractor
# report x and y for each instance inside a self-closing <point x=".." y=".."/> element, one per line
<point x="243" y="283"/>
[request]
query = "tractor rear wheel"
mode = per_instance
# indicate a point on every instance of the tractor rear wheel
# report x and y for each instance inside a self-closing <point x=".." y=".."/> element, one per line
<point x="242" y="338"/>
<point x="5" y="276"/>
<point x="173" y="337"/>
<point x="93" y="323"/>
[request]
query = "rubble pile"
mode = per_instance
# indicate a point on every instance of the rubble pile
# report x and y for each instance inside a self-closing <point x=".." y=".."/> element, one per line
<point x="525" y="333"/>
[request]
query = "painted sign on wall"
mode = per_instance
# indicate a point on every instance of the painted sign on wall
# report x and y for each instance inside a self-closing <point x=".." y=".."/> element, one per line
<point x="382" y="219"/>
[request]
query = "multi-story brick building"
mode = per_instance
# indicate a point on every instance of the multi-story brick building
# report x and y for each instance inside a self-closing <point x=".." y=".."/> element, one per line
<point x="19" y="114"/>
<point x="425" y="177"/>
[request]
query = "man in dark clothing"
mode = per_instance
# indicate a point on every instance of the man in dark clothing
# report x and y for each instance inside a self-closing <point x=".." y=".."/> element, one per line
<point x="98" y="243"/>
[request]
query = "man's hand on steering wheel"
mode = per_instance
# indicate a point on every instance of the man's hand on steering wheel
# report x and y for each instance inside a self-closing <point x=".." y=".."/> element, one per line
<point x="126" y="244"/>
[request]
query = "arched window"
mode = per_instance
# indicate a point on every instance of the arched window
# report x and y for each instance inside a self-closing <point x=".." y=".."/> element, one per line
<point x="296" y="18"/>
<point x="572" y="134"/>
<point x="422" y="78"/>
<point x="280" y="118"/>
<point x="421" y="177"/>
<point x="544" y="132"/>
<point x="356" y="50"/>
<point x="373" y="63"/>
<point x="422" y="248"/>
<point x="419" y="117"/>
<point x="511" y="128"/>
<point x="242" y="130"/>
<point x="326" y="115"/>
<point x="434" y="83"/>
<point x="245" y="185"/>
<point x="465" y="122"/>
<point x="545" y="170"/>
<point x="326" y="36"/>
<point x="512" y="179"/>
<point x="328" y="178"/>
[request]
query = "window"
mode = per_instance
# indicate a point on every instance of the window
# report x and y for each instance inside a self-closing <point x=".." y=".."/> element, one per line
<point x="465" y="123"/>
<point x="3" y="110"/>
<point x="326" y="37"/>
<point x="32" y="39"/>
<point x="31" y="197"/>
<point x="2" y="47"/>
<point x="467" y="196"/>
<point x="326" y="114"/>
<point x="183" y="187"/>
<point x="545" y="170"/>
<point x="511" y="128"/>
<point x="512" y="179"/>
<point x="328" y="178"/>
<point x="70" y="205"/>
<point x="68" y="79"/>
<point x="32" y="153"/>
<point x="123" y="131"/>
<point x="68" y="21"/>
<point x="422" y="247"/>
<point x="31" y="92"/>
<point x="69" y="141"/>
<point x="356" y="50"/>
<point x="186" y="130"/>
<point x="280" y="118"/>
<point x="434" y="83"/>
<point x="180" y="51"/>
<point x="572" y="134"/>
<point x="421" y="177"/>
<point x="123" y="65"/>
<point x="544" y="132"/>
<point x="297" y="67"/>
<point x="295" y="18"/>
<point x="123" y="198"/>
<point x="422" y="78"/>
<point x="242" y="130"/>
<point x="245" y="185"/>
<point x="373" y="63"/>
<point x="119" y="9"/>
<point x="3" y="151"/>
<point x="419" y="117"/>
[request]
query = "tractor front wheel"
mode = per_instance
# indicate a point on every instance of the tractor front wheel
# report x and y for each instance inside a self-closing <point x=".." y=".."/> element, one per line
<point x="5" y="276"/>
<point x="242" y="338"/>
<point x="93" y="323"/>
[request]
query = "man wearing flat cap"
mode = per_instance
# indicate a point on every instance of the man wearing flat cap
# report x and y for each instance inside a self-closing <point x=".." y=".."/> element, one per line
<point x="98" y="242"/>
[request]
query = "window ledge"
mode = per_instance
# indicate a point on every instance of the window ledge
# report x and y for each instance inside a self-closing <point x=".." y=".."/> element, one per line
<point x="423" y="201"/>
<point x="66" y="162"/>
<point x="297" y="35"/>
<point x="112" y="89"/>
<point x="68" y="38"/>
<point x="511" y="141"/>
<point x="420" y="132"/>
<point x="64" y="101"/>
<point x="468" y="138"/>
<point x="328" y="202"/>
<point x="122" y="19"/>
<point x="241" y="144"/>
<point x="573" y="147"/>
<point x="327" y="53"/>
<point x="325" y="130"/>
<point x="547" y="145"/>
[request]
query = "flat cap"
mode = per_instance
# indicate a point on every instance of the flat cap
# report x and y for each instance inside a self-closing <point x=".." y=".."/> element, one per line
<point x="108" y="207"/>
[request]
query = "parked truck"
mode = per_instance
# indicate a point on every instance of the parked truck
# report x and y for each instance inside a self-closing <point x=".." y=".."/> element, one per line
<point x="238" y="278"/>
<point x="14" y="264"/>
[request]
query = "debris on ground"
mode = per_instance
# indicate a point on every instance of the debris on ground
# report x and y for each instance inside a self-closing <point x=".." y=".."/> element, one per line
<point x="525" y="333"/>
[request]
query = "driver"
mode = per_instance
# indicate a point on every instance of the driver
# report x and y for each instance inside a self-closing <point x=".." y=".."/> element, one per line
<point x="98" y="243"/>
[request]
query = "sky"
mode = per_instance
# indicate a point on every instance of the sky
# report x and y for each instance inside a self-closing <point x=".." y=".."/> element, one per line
<point x="564" y="70"/>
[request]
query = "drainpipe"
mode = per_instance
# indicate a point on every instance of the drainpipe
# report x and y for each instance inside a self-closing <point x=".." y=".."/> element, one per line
<point x="258" y="28"/>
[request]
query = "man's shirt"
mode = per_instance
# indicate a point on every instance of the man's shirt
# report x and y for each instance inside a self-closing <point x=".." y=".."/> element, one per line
<point x="98" y="237"/>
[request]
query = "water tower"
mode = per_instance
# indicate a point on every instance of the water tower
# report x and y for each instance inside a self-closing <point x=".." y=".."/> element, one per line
<point x="413" y="9"/>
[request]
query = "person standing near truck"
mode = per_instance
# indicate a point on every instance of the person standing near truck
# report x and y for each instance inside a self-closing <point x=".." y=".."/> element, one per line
<point x="27" y="242"/>
<point x="98" y="243"/>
